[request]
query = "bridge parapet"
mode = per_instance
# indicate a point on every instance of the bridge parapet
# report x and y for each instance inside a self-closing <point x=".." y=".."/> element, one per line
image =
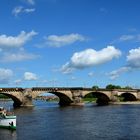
<point x="11" y="89"/>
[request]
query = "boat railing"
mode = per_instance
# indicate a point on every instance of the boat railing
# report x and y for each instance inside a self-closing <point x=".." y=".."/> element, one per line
<point x="8" y="113"/>
<point x="4" y="113"/>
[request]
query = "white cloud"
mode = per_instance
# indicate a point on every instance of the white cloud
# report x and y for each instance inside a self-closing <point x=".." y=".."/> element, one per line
<point x="58" y="41"/>
<point x="73" y="78"/>
<point x="90" y="74"/>
<point x="32" y="2"/>
<point x="29" y="10"/>
<point x="116" y="73"/>
<point x="21" y="10"/>
<point x="28" y="76"/>
<point x="67" y="68"/>
<point x="90" y="57"/>
<point x="17" y="10"/>
<point x="127" y="37"/>
<point x="5" y="75"/>
<point x="16" y="57"/>
<point x="16" y="41"/>
<point x="133" y="63"/>
<point x="18" y="81"/>
<point x="133" y="58"/>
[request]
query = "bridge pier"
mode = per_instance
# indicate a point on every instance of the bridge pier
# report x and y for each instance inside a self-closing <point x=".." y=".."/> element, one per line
<point x="114" y="97"/>
<point x="63" y="103"/>
<point x="27" y="102"/>
<point x="27" y="97"/>
<point x="15" y="104"/>
<point x="77" y="102"/>
<point x="77" y="98"/>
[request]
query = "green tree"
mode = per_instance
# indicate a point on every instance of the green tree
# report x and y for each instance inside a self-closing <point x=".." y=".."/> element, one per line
<point x="118" y="87"/>
<point x="95" y="87"/>
<point x="3" y="96"/>
<point x="110" y="86"/>
<point x="127" y="87"/>
<point x="89" y="95"/>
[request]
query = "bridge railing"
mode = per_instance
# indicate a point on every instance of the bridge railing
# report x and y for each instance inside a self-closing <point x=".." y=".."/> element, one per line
<point x="11" y="89"/>
<point x="65" y="88"/>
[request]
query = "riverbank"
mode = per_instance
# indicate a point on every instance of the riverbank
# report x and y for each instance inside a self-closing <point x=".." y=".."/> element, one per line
<point x="5" y="99"/>
<point x="125" y="103"/>
<point x="117" y="103"/>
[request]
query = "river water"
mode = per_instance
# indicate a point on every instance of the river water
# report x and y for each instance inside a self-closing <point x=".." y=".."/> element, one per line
<point x="48" y="121"/>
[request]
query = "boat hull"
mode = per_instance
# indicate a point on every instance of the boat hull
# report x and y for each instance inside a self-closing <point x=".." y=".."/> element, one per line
<point x="8" y="122"/>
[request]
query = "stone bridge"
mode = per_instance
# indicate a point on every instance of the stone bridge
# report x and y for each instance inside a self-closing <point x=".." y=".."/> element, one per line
<point x="70" y="95"/>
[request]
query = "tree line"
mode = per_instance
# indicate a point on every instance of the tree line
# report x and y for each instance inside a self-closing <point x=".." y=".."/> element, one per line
<point x="111" y="86"/>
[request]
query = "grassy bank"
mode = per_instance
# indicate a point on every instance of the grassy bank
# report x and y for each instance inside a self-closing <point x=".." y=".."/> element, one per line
<point x="3" y="96"/>
<point x="89" y="99"/>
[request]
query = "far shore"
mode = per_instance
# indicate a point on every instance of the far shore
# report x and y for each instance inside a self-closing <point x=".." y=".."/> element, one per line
<point x="125" y="103"/>
<point x="5" y="99"/>
<point x="118" y="103"/>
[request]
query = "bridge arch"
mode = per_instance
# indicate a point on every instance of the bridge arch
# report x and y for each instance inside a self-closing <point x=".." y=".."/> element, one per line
<point x="64" y="100"/>
<point x="102" y="98"/>
<point x="17" y="101"/>
<point x="128" y="96"/>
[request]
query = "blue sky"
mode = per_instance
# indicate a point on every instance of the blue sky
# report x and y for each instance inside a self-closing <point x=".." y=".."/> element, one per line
<point x="69" y="43"/>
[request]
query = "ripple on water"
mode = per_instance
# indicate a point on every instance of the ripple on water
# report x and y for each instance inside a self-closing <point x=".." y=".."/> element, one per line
<point x="48" y="121"/>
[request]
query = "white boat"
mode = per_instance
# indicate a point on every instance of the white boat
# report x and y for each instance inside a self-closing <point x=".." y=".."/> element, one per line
<point x="7" y="119"/>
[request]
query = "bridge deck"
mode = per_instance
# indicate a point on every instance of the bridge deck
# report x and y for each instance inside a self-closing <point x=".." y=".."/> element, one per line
<point x="65" y="89"/>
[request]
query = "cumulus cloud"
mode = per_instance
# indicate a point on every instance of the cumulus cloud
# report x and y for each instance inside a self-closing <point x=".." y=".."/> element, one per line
<point x="21" y="10"/>
<point x="133" y="63"/>
<point x="133" y="58"/>
<point x="5" y="75"/>
<point x="28" y="76"/>
<point x="15" y="41"/>
<point x="90" y="57"/>
<point x="58" y="41"/>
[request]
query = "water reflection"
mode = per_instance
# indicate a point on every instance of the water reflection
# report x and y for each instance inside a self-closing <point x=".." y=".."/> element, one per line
<point x="48" y="121"/>
<point x="7" y="134"/>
